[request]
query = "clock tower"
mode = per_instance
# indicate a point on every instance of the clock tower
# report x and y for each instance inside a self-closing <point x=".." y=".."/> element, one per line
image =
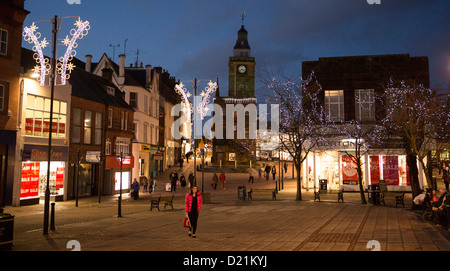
<point x="241" y="91"/>
<point x="241" y="80"/>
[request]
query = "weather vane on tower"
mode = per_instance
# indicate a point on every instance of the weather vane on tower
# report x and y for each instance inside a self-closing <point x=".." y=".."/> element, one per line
<point x="243" y="17"/>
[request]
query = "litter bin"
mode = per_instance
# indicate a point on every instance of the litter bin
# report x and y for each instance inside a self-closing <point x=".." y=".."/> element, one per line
<point x="374" y="194"/>
<point x="242" y="191"/>
<point x="6" y="229"/>
<point x="323" y="184"/>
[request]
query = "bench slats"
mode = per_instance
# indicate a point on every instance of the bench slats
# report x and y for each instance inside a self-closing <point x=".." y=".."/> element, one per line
<point x="168" y="200"/>
<point x="262" y="191"/>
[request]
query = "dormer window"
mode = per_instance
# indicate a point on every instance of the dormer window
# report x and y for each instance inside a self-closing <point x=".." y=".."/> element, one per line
<point x="110" y="91"/>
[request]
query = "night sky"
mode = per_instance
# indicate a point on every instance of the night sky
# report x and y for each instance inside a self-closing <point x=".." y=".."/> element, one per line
<point x="194" y="38"/>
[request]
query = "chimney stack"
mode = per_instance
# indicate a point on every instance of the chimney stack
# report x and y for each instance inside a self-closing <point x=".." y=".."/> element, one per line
<point x="148" y="77"/>
<point x="88" y="63"/>
<point x="122" y="65"/>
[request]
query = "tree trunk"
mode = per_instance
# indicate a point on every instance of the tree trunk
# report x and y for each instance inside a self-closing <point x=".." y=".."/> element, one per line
<point x="361" y="190"/>
<point x="298" y="167"/>
<point x="413" y="174"/>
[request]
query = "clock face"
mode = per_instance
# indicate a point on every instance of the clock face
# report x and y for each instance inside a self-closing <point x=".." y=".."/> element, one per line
<point x="242" y="69"/>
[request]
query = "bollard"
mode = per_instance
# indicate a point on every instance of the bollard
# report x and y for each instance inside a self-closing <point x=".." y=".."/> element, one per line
<point x="52" y="217"/>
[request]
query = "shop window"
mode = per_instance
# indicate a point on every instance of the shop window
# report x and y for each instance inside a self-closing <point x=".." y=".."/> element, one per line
<point x="334" y="104"/>
<point x="364" y="105"/>
<point x="87" y="127"/>
<point x="34" y="179"/>
<point x="3" y="42"/>
<point x="37" y="117"/>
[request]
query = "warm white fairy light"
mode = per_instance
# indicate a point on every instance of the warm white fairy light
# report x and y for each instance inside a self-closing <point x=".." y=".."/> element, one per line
<point x="63" y="66"/>
<point x="202" y="108"/>
<point x="180" y="89"/>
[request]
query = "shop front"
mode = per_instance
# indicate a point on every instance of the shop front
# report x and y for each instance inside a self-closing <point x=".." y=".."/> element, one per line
<point x="336" y="168"/>
<point x="119" y="174"/>
<point x="34" y="173"/>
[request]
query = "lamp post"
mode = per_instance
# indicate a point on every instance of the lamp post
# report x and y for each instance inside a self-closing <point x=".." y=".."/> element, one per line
<point x="61" y="66"/>
<point x="197" y="109"/>
<point x="119" y="208"/>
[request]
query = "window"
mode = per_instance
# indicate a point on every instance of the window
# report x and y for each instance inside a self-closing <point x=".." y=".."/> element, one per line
<point x="334" y="104"/>
<point x="135" y="131"/>
<point x="110" y="91"/>
<point x="2" y="97"/>
<point x="108" y="147"/>
<point x="110" y="118"/>
<point x="151" y="134"/>
<point x="145" y="132"/>
<point x="122" y="146"/>
<point x="98" y="129"/>
<point x="133" y="99"/>
<point x="150" y="109"/>
<point x="364" y="105"/>
<point x="37" y="117"/>
<point x="87" y="127"/>
<point x="124" y="121"/>
<point x="76" y="128"/>
<point x="145" y="104"/>
<point x="3" y="42"/>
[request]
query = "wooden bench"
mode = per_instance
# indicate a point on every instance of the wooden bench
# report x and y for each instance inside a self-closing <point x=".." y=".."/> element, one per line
<point x="168" y="200"/>
<point x="397" y="195"/>
<point x="340" y="194"/>
<point x="262" y="191"/>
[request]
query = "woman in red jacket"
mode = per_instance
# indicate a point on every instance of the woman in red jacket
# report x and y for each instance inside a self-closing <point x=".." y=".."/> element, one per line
<point x="193" y="204"/>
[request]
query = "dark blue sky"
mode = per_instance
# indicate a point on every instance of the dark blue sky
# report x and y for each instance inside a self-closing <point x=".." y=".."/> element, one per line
<point x="194" y="38"/>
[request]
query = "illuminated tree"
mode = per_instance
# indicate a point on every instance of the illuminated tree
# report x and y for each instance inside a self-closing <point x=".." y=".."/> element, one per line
<point x="417" y="114"/>
<point x="303" y="121"/>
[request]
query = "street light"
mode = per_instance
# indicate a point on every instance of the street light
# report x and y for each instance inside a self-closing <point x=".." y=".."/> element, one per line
<point x="62" y="66"/>
<point x="197" y="109"/>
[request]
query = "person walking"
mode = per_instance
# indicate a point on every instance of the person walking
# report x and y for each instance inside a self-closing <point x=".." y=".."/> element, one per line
<point x="215" y="180"/>
<point x="135" y="188"/>
<point x="222" y="180"/>
<point x="173" y="182"/>
<point x="151" y="184"/>
<point x="267" y="171"/>
<point x="274" y="172"/>
<point x="250" y="177"/>
<point x="192" y="205"/>
<point x="191" y="179"/>
<point x="182" y="181"/>
<point x="145" y="181"/>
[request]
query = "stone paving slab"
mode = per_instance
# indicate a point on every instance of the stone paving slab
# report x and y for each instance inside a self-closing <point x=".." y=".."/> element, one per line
<point x="230" y="224"/>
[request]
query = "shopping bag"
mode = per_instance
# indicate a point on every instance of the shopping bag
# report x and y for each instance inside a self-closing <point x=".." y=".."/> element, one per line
<point x="186" y="222"/>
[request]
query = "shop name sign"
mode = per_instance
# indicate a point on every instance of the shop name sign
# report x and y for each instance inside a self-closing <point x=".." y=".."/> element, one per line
<point x="339" y="144"/>
<point x="40" y="153"/>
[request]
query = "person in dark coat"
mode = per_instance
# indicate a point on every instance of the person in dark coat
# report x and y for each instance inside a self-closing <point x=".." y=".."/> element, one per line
<point x="135" y="188"/>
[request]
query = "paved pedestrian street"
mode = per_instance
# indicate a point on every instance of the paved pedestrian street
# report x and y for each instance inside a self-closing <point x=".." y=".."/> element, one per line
<point x="230" y="224"/>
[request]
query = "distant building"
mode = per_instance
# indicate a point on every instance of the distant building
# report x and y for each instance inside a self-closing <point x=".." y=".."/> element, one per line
<point x="348" y="88"/>
<point x="12" y="16"/>
<point x="241" y="91"/>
